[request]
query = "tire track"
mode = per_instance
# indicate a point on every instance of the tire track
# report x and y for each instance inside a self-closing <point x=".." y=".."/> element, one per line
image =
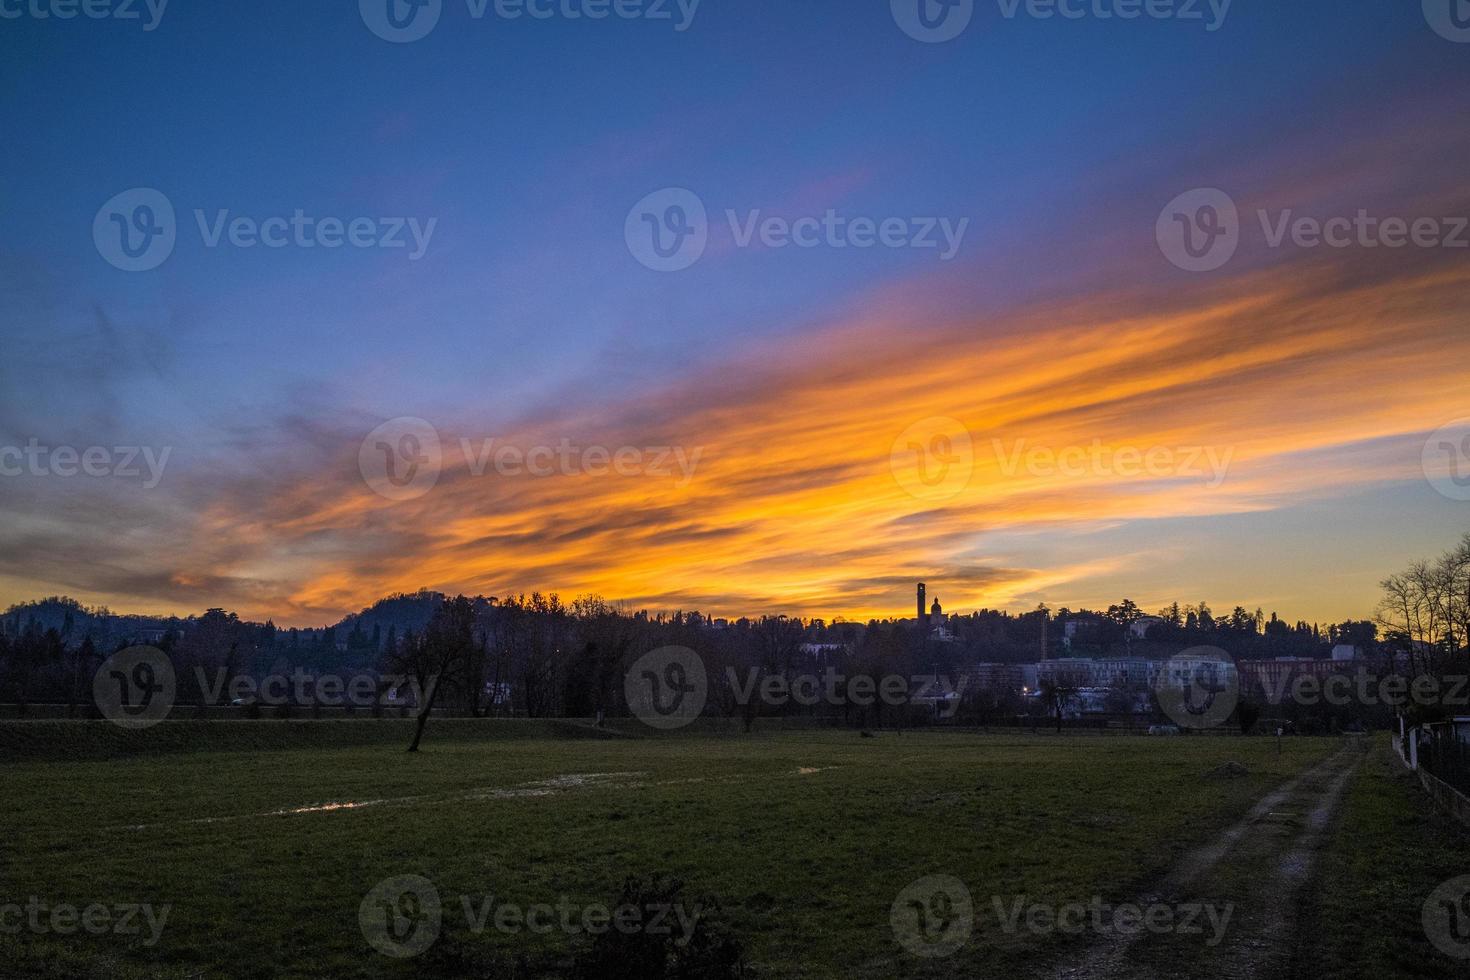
<point x="1259" y="867"/>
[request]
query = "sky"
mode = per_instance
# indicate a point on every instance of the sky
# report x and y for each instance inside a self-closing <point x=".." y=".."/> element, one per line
<point x="342" y="308"/>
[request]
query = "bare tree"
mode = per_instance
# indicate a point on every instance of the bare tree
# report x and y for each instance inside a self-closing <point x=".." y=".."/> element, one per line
<point x="1056" y="694"/>
<point x="435" y="656"/>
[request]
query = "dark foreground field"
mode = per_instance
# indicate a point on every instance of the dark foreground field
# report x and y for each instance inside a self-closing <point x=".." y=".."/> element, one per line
<point x="805" y="841"/>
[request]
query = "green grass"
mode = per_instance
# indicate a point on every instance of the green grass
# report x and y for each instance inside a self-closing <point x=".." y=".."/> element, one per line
<point x="1391" y="849"/>
<point x="81" y="741"/>
<point x="806" y="866"/>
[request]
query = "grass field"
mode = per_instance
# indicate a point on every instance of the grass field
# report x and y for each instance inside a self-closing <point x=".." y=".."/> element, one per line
<point x="1390" y="850"/>
<point x="805" y="840"/>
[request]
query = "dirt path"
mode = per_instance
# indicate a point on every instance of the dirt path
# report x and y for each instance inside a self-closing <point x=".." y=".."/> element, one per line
<point x="1249" y="884"/>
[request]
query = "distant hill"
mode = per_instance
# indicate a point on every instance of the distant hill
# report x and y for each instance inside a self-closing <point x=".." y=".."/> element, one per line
<point x="402" y="612"/>
<point x="73" y="620"/>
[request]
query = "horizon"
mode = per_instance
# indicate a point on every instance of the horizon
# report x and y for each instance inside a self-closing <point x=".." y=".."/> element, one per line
<point x="1220" y="612"/>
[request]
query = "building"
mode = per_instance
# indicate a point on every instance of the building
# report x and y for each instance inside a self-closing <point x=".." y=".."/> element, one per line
<point x="1140" y="626"/>
<point x="1016" y="678"/>
<point x="931" y="620"/>
<point x="1134" y="673"/>
<point x="1066" y="671"/>
<point x="1273" y="678"/>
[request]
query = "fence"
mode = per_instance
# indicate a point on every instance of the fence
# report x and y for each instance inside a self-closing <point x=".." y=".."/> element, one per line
<point x="1445" y="753"/>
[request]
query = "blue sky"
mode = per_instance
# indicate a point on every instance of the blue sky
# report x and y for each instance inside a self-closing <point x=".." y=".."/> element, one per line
<point x="527" y="142"/>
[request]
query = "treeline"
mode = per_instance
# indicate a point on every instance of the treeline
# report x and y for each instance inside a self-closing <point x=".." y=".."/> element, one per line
<point x="1425" y="611"/>
<point x="536" y="656"/>
<point x="1124" y="628"/>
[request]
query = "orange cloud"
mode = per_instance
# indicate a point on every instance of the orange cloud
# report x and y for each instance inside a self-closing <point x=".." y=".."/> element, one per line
<point x="795" y="505"/>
